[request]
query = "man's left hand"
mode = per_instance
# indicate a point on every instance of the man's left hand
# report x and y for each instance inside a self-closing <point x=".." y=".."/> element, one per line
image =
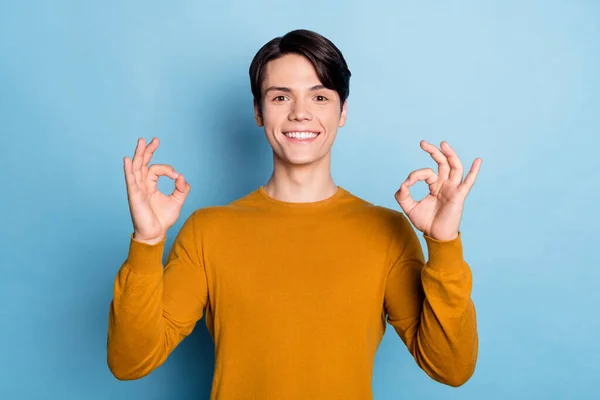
<point x="438" y="215"/>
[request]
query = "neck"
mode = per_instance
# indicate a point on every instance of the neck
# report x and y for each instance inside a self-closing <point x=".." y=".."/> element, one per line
<point x="301" y="183"/>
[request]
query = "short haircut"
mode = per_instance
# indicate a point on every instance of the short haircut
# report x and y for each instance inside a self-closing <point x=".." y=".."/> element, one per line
<point x="327" y="59"/>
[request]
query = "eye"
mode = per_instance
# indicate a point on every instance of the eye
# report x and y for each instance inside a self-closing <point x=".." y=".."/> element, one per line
<point x="279" y="98"/>
<point x="320" y="98"/>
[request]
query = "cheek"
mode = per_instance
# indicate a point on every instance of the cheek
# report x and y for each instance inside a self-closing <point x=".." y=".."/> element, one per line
<point x="329" y="118"/>
<point x="274" y="117"/>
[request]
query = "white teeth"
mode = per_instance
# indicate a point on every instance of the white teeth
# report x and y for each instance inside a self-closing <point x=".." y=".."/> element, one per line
<point x="301" y="135"/>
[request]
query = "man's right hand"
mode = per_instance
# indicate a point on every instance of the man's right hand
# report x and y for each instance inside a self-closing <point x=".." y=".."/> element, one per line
<point x="152" y="212"/>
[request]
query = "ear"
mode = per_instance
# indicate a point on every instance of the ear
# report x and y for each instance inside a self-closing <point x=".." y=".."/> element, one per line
<point x="343" y="115"/>
<point x="258" y="115"/>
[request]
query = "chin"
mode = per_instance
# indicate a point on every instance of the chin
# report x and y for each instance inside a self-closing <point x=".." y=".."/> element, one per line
<point x="300" y="160"/>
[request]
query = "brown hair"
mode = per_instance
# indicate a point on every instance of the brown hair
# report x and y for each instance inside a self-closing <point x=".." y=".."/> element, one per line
<point x="327" y="59"/>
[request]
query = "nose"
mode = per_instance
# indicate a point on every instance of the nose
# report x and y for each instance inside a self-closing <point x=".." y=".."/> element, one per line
<point x="299" y="112"/>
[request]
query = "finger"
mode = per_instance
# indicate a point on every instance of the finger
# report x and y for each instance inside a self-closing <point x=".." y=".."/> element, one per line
<point x="182" y="188"/>
<point x="129" y="176"/>
<point x="404" y="199"/>
<point x="438" y="157"/>
<point x="138" y="158"/>
<point x="156" y="171"/>
<point x="424" y="174"/>
<point x="456" y="168"/>
<point x="148" y="153"/>
<point x="469" y="181"/>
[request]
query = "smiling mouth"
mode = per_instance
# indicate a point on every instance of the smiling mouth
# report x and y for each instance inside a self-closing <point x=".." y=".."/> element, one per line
<point x="302" y="136"/>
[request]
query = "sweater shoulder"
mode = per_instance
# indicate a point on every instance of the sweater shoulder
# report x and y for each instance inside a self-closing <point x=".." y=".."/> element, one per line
<point x="217" y="215"/>
<point x="383" y="216"/>
<point x="386" y="227"/>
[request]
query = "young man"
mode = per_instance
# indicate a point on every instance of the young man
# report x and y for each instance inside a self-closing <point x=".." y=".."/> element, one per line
<point x="298" y="278"/>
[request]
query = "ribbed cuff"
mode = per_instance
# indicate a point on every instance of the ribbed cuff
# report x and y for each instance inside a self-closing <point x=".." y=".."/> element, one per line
<point x="144" y="257"/>
<point x="444" y="254"/>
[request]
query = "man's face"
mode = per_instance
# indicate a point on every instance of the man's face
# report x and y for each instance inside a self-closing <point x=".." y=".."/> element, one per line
<point x="299" y="114"/>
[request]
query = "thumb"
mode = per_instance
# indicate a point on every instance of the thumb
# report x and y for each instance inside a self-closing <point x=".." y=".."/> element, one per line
<point x="182" y="189"/>
<point x="404" y="198"/>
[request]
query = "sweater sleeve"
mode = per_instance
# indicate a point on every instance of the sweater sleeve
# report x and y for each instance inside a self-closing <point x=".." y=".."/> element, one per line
<point x="154" y="308"/>
<point x="429" y="305"/>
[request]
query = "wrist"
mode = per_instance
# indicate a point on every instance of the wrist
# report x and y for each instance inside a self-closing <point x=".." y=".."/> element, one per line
<point x="150" y="241"/>
<point x="443" y="238"/>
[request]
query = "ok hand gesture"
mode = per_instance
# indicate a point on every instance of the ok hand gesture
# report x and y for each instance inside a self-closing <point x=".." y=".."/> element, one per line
<point x="438" y="215"/>
<point x="152" y="212"/>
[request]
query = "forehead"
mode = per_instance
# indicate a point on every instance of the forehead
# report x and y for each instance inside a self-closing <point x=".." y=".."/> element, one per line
<point x="290" y="70"/>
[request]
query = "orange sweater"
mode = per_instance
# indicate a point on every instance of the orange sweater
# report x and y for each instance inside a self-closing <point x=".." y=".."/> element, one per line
<point x="296" y="297"/>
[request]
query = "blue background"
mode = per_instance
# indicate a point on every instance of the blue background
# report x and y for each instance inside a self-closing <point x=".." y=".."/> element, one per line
<point x="514" y="82"/>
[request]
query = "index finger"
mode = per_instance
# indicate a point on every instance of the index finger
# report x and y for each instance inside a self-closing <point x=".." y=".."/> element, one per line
<point x="156" y="171"/>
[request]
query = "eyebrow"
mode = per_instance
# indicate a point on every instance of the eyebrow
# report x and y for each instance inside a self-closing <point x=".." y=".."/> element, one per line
<point x="288" y="90"/>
